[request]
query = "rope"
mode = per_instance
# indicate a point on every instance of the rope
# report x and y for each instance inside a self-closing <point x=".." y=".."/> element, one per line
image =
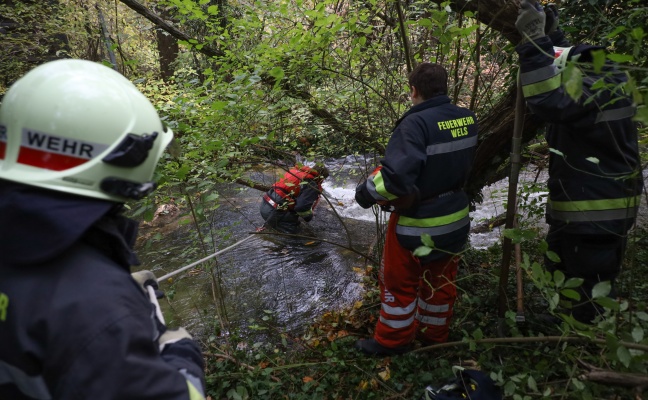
<point x="176" y="272"/>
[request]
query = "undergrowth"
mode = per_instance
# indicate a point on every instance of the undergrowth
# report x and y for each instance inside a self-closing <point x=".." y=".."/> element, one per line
<point x="528" y="359"/>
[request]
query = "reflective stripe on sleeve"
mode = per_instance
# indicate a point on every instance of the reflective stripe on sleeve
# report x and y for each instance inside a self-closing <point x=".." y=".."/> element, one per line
<point x="548" y="85"/>
<point x="539" y="75"/>
<point x="194" y="386"/>
<point x="397" y="324"/>
<point x="376" y="186"/>
<point x="194" y="394"/>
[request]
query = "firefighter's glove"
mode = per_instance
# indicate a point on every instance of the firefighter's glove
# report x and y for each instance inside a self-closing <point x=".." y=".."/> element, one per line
<point x="531" y="20"/>
<point x="551" y="23"/>
<point x="147" y="278"/>
<point x="171" y="336"/>
<point x="363" y="197"/>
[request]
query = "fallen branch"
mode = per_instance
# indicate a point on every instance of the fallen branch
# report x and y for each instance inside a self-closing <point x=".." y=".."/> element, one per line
<point x="626" y="379"/>
<point x="531" y="339"/>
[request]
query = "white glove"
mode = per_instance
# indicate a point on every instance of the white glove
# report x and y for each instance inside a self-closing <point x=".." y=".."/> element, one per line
<point x="531" y="20"/>
<point x="145" y="278"/>
<point x="172" y="336"/>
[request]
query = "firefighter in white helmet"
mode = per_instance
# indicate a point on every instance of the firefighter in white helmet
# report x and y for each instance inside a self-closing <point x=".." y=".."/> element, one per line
<point x="78" y="140"/>
<point x="594" y="178"/>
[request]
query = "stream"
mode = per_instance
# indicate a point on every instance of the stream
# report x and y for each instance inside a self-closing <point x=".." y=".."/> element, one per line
<point x="272" y="280"/>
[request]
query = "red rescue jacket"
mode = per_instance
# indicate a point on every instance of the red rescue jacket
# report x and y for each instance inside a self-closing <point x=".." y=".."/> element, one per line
<point x="285" y="192"/>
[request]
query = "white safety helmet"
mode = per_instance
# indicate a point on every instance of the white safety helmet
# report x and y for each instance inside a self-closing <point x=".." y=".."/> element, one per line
<point x="80" y="127"/>
<point x="561" y="56"/>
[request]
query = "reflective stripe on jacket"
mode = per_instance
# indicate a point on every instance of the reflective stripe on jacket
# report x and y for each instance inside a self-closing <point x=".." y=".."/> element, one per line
<point x="427" y="161"/>
<point x="594" y="179"/>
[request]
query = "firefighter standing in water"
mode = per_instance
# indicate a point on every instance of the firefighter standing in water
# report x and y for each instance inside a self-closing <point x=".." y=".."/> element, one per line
<point x="78" y="140"/>
<point x="295" y="195"/>
<point x="427" y="161"/>
<point x="595" y="182"/>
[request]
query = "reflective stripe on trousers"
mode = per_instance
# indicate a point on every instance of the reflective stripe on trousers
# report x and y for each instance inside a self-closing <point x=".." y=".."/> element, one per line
<point x="413" y="297"/>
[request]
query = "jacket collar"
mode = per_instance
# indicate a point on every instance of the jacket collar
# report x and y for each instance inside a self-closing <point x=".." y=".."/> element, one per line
<point x="429" y="103"/>
<point x="37" y="225"/>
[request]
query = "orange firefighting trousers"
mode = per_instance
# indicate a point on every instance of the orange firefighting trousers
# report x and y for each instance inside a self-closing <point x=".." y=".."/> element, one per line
<point x="414" y="298"/>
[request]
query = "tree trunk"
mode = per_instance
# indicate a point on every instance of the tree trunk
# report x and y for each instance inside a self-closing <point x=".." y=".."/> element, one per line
<point x="495" y="138"/>
<point x="168" y="49"/>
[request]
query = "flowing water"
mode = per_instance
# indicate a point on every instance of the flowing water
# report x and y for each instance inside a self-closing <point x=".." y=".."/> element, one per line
<point x="289" y="281"/>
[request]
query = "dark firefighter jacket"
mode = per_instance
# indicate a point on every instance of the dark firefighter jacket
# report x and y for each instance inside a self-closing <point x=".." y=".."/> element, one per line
<point x="594" y="174"/>
<point x="73" y="323"/>
<point x="298" y="190"/>
<point x="426" y="164"/>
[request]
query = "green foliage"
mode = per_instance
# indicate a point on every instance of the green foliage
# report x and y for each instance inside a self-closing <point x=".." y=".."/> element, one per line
<point x="327" y="78"/>
<point x="31" y="35"/>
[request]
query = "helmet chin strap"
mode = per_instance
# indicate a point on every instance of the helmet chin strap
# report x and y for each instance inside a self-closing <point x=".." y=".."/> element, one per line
<point x="128" y="189"/>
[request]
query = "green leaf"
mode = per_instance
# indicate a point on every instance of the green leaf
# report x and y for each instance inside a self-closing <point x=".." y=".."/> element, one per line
<point x="615" y="32"/>
<point x="624" y="356"/>
<point x="607" y="303"/>
<point x="531" y="383"/>
<point x="277" y="73"/>
<point x="638" y="33"/>
<point x="422" y="251"/>
<point x="427" y="240"/>
<point x="219" y="105"/>
<point x="641" y="115"/>
<point x="601" y="289"/>
<point x="509" y="388"/>
<point x="425" y="23"/>
<point x="211" y="197"/>
<point x="642" y="315"/>
<point x="598" y="60"/>
<point x="514" y="234"/>
<point x="559" y="278"/>
<point x="577" y="383"/>
<point x="620" y="58"/>
<point x="554" y="301"/>
<point x="213" y="10"/>
<point x="570" y="294"/>
<point x="637" y="334"/>
<point x="593" y="160"/>
<point x="553" y="256"/>
<point x="573" y="80"/>
<point x="574" y="282"/>
<point x="558" y="152"/>
<point x="543" y="246"/>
